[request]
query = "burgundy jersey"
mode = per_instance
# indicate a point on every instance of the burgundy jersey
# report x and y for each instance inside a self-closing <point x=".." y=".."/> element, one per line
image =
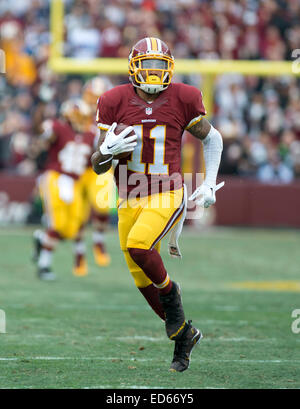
<point x="155" y="163"/>
<point x="70" y="152"/>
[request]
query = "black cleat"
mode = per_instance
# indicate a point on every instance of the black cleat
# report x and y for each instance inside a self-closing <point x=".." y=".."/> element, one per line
<point x="183" y="348"/>
<point x="45" y="274"/>
<point x="174" y="314"/>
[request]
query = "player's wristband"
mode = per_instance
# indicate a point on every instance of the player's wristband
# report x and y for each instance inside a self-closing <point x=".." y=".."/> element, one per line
<point x="106" y="160"/>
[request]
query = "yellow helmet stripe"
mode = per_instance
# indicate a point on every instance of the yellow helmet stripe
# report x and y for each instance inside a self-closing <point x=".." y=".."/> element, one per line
<point x="154" y="44"/>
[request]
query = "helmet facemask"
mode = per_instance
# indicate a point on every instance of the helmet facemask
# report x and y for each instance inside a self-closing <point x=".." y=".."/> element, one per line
<point x="152" y="73"/>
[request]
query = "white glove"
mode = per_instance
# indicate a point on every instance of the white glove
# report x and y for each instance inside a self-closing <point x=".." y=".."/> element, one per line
<point x="207" y="193"/>
<point x="115" y="144"/>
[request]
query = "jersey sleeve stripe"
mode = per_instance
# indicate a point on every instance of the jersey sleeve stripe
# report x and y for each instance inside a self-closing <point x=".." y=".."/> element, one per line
<point x="104" y="127"/>
<point x="194" y="121"/>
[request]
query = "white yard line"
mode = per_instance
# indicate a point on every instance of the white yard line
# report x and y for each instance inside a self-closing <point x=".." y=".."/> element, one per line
<point x="135" y="338"/>
<point x="74" y="358"/>
<point x="97" y="358"/>
<point x="242" y="339"/>
<point x="112" y="387"/>
<point x="157" y="339"/>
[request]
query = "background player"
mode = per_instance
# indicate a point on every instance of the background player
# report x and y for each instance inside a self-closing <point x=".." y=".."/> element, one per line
<point x="159" y="112"/>
<point x="69" y="144"/>
<point x="91" y="187"/>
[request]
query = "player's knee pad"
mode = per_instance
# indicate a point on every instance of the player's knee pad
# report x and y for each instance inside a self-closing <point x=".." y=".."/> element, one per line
<point x="138" y="237"/>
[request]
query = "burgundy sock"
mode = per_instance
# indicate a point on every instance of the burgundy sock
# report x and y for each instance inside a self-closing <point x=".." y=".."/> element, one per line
<point x="54" y="234"/>
<point x="151" y="294"/>
<point x="102" y="220"/>
<point x="151" y="263"/>
<point x="51" y="237"/>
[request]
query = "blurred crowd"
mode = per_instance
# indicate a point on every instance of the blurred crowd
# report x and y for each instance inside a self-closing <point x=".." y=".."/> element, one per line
<point x="259" y="118"/>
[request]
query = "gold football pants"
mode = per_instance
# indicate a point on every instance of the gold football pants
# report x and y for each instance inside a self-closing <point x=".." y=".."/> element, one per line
<point x="144" y="222"/>
<point x="98" y="191"/>
<point x="62" y="202"/>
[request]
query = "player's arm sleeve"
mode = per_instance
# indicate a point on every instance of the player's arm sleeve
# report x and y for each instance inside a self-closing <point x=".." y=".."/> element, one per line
<point x="203" y="130"/>
<point x="212" y="152"/>
<point x="212" y="148"/>
<point x="104" y="114"/>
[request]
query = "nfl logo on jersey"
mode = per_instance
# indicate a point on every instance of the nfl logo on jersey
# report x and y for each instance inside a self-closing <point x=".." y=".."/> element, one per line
<point x="148" y="110"/>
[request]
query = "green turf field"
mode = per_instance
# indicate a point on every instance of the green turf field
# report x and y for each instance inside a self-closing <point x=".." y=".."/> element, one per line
<point x="239" y="287"/>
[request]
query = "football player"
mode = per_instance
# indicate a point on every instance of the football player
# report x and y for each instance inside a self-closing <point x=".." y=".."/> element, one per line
<point x="95" y="187"/>
<point x="69" y="145"/>
<point x="158" y="112"/>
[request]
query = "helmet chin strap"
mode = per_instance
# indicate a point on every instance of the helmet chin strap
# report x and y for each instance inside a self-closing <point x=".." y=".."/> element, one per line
<point x="151" y="88"/>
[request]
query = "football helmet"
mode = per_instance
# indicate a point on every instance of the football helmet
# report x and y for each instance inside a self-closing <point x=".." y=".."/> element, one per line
<point x="78" y="113"/>
<point x="94" y="88"/>
<point x="151" y="65"/>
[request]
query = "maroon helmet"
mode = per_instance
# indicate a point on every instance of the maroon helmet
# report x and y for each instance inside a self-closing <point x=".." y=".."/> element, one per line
<point x="151" y="65"/>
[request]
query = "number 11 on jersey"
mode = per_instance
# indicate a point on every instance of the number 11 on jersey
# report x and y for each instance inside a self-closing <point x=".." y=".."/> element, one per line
<point x="158" y="166"/>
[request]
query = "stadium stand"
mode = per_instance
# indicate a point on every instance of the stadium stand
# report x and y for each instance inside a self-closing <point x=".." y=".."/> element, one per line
<point x="259" y="117"/>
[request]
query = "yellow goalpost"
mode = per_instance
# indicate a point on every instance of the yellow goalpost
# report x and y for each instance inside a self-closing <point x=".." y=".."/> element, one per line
<point x="116" y="66"/>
